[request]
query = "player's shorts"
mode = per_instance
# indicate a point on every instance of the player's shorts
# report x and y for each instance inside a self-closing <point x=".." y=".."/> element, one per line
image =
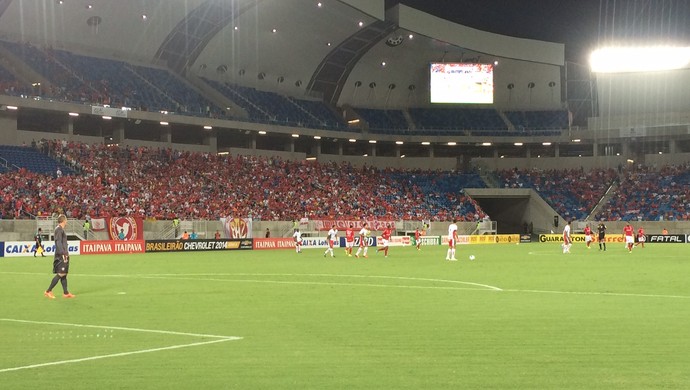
<point x="451" y="243"/>
<point x="641" y="238"/>
<point x="384" y="242"/>
<point x="629" y="239"/>
<point x="331" y="243"/>
<point x="588" y="238"/>
<point x="349" y="244"/>
<point x="298" y="243"/>
<point x="566" y="240"/>
<point x="602" y="238"/>
<point x="59" y="266"/>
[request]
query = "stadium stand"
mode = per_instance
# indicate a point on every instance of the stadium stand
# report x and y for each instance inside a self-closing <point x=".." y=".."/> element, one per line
<point x="650" y="195"/>
<point x="529" y="121"/>
<point x="383" y="121"/>
<point x="573" y="194"/>
<point x="162" y="183"/>
<point x="436" y="119"/>
<point x="32" y="160"/>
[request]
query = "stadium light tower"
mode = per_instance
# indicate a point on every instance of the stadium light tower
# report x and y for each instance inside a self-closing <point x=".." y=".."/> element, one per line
<point x="639" y="59"/>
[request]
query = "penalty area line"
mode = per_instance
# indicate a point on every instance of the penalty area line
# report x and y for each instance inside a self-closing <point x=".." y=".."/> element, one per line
<point x="113" y="355"/>
<point x="123" y="328"/>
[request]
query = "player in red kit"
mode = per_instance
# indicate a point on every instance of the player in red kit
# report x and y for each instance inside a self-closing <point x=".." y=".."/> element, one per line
<point x="385" y="237"/>
<point x="417" y="236"/>
<point x="588" y="236"/>
<point x="628" y="232"/>
<point x="641" y="238"/>
<point x="349" y="240"/>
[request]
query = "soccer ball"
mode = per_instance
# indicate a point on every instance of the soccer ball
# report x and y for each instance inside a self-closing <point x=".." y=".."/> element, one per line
<point x="471" y="257"/>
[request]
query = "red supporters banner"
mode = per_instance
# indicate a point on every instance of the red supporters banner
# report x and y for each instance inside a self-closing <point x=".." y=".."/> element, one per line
<point x="342" y="224"/>
<point x="132" y="228"/>
<point x="274" y="243"/>
<point x="98" y="224"/>
<point x="111" y="247"/>
<point x="237" y="227"/>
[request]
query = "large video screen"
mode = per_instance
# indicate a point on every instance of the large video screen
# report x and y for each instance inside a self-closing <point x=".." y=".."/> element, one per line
<point x="461" y="83"/>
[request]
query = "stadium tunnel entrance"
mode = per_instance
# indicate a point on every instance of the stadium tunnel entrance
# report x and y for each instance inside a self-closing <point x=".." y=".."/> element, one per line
<point x="516" y="209"/>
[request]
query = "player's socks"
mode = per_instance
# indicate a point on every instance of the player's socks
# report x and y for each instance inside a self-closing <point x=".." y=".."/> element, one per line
<point x="54" y="283"/>
<point x="63" y="281"/>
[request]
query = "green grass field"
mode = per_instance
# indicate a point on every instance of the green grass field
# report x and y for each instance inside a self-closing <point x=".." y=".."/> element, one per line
<point x="518" y="317"/>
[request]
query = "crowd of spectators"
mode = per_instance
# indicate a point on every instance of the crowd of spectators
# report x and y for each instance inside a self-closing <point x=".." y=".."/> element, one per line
<point x="164" y="183"/>
<point x="572" y="193"/>
<point x="650" y="194"/>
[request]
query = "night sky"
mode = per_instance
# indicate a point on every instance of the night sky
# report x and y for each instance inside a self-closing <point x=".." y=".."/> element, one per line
<point x="581" y="25"/>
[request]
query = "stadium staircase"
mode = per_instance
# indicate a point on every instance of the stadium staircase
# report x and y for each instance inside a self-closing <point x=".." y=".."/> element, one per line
<point x="511" y="126"/>
<point x="610" y="193"/>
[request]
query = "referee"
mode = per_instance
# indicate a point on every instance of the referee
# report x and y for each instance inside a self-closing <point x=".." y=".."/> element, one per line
<point x="61" y="261"/>
<point x="602" y="234"/>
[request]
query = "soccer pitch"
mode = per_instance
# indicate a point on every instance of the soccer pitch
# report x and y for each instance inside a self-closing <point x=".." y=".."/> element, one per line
<point x="519" y="316"/>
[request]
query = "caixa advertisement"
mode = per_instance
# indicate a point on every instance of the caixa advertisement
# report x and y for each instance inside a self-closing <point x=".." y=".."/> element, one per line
<point x="27" y="248"/>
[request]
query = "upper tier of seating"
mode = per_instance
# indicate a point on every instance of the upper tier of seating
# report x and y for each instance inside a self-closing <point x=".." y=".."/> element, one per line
<point x="457" y="119"/>
<point x="93" y="80"/>
<point x="270" y="107"/>
<point x="526" y="121"/>
<point x="383" y="121"/>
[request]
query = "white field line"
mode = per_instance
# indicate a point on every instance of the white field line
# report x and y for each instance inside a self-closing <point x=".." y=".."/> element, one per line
<point x="485" y="287"/>
<point x="196" y="277"/>
<point x="600" y="293"/>
<point x="114" y="355"/>
<point x="122" y="328"/>
<point x="218" y="339"/>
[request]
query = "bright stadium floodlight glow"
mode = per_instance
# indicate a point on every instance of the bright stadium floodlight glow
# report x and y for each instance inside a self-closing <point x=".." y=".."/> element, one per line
<point x="518" y="144"/>
<point x="262" y="132"/>
<point x="452" y="143"/>
<point x="372" y="141"/>
<point x="317" y="137"/>
<point x="546" y="143"/>
<point x="486" y="143"/>
<point x="352" y="140"/>
<point x="399" y="142"/>
<point x="73" y="114"/>
<point x="12" y="107"/>
<point x="295" y="136"/>
<point x="426" y="143"/>
<point x="639" y="59"/>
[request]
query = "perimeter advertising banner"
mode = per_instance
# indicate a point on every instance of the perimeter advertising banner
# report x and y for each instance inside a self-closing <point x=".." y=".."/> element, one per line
<point x="111" y="247"/>
<point x="198" y="245"/>
<point x="27" y="248"/>
<point x="668" y="238"/>
<point x="430" y="240"/>
<point x="132" y="228"/>
<point x="274" y="243"/>
<point x="484" y="239"/>
<point x="613" y="238"/>
<point x="371" y="241"/>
